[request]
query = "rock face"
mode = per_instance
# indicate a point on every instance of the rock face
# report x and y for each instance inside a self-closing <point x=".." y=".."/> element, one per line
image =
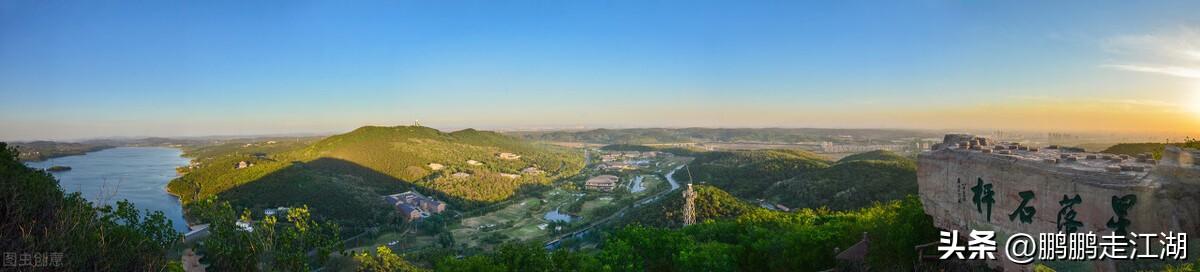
<point x="964" y="186"/>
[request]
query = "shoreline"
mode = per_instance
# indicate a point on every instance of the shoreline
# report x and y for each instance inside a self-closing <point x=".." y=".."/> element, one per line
<point x="166" y="189"/>
<point x="182" y="223"/>
<point x="63" y="155"/>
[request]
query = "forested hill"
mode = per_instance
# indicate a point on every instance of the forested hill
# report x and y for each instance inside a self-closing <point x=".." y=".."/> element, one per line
<point x="344" y="175"/>
<point x="798" y="179"/>
<point x="711" y="203"/>
<point x="405" y="152"/>
<point x="44" y="150"/>
<point x="745" y="173"/>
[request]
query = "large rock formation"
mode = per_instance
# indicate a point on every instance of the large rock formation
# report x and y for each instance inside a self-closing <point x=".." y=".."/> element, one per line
<point x="1153" y="196"/>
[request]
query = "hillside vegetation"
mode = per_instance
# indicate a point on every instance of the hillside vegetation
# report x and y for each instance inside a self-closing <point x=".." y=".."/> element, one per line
<point x="344" y="175"/>
<point x="847" y="185"/>
<point x="755" y="239"/>
<point x="38" y="217"/>
<point x="799" y="179"/>
<point x="711" y="204"/>
<point x="747" y="173"/>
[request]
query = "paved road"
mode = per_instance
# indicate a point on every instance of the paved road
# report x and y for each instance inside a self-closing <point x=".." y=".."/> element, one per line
<point x="674" y="185"/>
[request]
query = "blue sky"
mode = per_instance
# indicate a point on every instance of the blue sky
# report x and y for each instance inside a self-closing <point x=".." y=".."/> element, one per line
<point x="78" y="69"/>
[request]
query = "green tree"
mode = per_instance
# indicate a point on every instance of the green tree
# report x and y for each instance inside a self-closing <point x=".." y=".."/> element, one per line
<point x="270" y="244"/>
<point x="477" y="263"/>
<point x="36" y="216"/>
<point x="383" y="260"/>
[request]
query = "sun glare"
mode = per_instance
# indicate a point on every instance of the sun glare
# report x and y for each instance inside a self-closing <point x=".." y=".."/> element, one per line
<point x="1193" y="102"/>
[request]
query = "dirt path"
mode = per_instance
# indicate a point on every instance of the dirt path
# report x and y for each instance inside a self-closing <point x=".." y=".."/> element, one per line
<point x="191" y="261"/>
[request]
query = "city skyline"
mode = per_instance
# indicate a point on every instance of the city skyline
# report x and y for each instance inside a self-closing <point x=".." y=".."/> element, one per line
<point x="132" y="68"/>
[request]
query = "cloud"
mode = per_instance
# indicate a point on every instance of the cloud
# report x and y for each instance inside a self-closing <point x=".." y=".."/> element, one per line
<point x="1109" y="104"/>
<point x="1166" y="70"/>
<point x="1172" y="52"/>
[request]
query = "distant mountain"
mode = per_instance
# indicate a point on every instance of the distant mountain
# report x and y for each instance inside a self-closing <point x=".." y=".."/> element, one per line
<point x="44" y="150"/>
<point x="798" y="179"/>
<point x="344" y="175"/>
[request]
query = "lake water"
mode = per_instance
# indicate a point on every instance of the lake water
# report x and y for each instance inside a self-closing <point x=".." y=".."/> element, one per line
<point x="139" y="174"/>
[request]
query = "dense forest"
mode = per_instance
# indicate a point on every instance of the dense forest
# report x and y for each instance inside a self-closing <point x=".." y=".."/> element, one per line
<point x="685" y="135"/>
<point x="799" y="179"/>
<point x="853" y="182"/>
<point x="746" y="173"/>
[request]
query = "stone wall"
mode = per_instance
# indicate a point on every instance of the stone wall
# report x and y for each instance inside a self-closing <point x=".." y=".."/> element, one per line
<point x="1167" y="193"/>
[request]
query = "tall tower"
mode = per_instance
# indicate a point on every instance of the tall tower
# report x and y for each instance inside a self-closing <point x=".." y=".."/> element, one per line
<point x="689" y="206"/>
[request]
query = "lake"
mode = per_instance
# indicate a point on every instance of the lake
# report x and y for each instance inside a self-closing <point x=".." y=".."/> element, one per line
<point x="139" y="174"/>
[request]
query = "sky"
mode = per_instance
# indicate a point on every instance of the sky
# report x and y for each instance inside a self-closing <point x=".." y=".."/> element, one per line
<point x="88" y="69"/>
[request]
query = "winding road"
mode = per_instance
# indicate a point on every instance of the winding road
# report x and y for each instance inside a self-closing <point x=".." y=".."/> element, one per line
<point x="552" y="244"/>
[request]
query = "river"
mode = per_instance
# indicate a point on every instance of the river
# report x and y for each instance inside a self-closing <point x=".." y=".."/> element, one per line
<point x="671" y="177"/>
<point x="139" y="174"/>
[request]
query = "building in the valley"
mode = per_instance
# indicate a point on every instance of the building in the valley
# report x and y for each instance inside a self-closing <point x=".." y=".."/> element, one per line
<point x="410" y="203"/>
<point x="245" y="225"/>
<point x="602" y="182"/>
<point x="474" y="162"/>
<point x="196" y="232"/>
<point x="971" y="183"/>
<point x="242" y="164"/>
<point x="436" y="166"/>
<point x="532" y="171"/>
<point x="408" y="212"/>
<point x="617" y="166"/>
<point x="276" y="211"/>
<point x="855" y="257"/>
<point x="508" y="156"/>
<point x="611" y="157"/>
<point x="461" y="175"/>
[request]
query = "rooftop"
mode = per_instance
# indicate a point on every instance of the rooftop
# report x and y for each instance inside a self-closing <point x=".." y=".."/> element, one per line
<point x="1120" y="168"/>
